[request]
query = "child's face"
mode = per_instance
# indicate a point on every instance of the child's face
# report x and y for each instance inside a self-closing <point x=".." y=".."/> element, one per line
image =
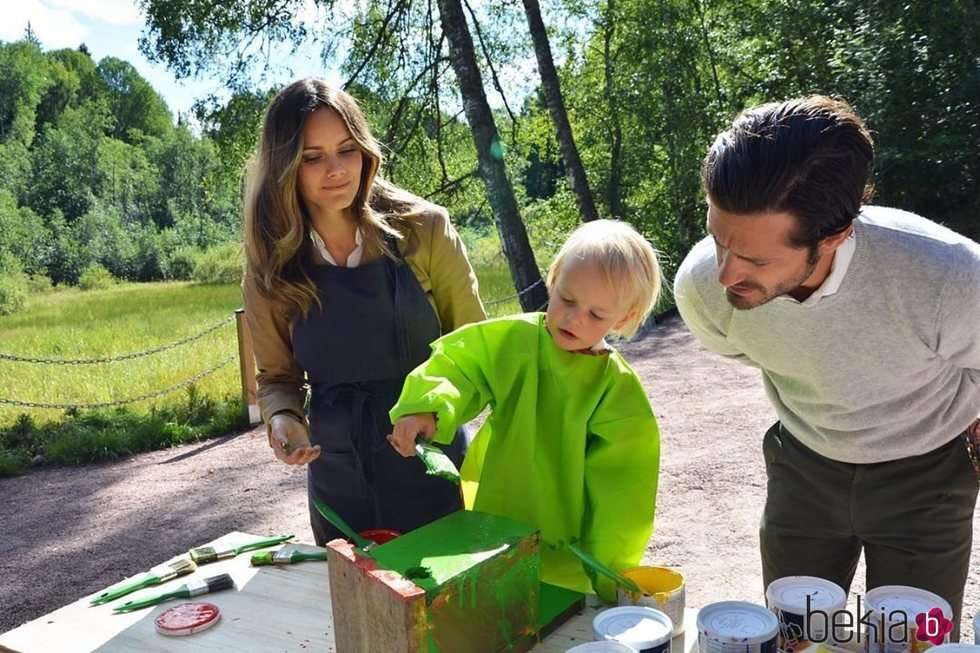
<point x="582" y="309"/>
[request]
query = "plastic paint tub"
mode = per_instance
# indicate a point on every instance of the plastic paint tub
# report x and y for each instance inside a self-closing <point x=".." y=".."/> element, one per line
<point x="894" y="609"/>
<point x="736" y="627"/>
<point x="955" y="648"/>
<point x="645" y="629"/>
<point x="663" y="589"/>
<point x="806" y="607"/>
<point x="379" y="535"/>
<point x="606" y="646"/>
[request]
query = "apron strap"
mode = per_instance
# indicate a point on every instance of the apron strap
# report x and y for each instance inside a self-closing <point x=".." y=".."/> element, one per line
<point x="396" y="268"/>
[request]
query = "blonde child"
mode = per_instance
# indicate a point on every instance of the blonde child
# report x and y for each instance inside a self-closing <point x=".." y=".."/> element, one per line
<point x="570" y="445"/>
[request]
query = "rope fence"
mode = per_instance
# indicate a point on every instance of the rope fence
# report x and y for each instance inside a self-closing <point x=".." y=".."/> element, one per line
<point x="244" y="354"/>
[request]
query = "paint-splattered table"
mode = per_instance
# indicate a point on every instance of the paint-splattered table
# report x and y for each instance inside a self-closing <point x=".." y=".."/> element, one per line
<point x="283" y="609"/>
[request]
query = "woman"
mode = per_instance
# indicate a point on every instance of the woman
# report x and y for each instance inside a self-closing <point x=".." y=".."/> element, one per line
<point x="348" y="279"/>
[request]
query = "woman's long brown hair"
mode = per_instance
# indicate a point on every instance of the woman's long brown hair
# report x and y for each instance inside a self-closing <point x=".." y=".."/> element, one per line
<point x="276" y="225"/>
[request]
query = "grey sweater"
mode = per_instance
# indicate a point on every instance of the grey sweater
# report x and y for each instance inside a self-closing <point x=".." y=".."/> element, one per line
<point x="888" y="367"/>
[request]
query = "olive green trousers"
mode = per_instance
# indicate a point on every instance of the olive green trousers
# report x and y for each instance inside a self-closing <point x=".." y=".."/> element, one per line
<point x="913" y="517"/>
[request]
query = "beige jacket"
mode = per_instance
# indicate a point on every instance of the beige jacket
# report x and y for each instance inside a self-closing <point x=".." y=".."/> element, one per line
<point x="433" y="251"/>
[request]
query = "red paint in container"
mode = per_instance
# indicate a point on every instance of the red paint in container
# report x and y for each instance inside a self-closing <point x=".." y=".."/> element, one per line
<point x="379" y="535"/>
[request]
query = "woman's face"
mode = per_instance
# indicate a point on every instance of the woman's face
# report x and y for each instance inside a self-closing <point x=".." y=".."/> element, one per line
<point x="330" y="170"/>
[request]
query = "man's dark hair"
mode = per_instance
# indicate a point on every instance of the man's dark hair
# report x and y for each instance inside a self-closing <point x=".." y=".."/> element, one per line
<point x="811" y="157"/>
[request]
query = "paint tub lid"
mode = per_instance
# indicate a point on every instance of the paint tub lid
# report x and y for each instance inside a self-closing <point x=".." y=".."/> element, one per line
<point x="790" y="594"/>
<point x="637" y="626"/>
<point x="187" y="619"/>
<point x="605" y="646"/>
<point x="910" y="600"/>
<point x="955" y="647"/>
<point x="737" y="622"/>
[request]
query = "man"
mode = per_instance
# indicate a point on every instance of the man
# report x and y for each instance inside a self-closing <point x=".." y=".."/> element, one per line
<point x="865" y="323"/>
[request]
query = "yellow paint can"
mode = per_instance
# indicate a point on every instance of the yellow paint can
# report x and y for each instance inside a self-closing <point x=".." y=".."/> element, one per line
<point x="663" y="589"/>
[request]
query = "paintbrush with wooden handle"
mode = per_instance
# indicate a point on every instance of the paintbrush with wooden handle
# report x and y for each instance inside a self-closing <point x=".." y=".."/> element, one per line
<point x="155" y="576"/>
<point x="185" y="591"/>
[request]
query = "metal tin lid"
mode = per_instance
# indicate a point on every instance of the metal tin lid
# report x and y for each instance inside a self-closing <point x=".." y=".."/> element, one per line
<point x="910" y="600"/>
<point x="187" y="619"/>
<point x="605" y="646"/>
<point x="737" y="622"/>
<point x="790" y="594"/>
<point x="638" y="626"/>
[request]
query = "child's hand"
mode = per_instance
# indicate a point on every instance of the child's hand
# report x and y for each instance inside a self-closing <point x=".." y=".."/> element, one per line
<point x="407" y="428"/>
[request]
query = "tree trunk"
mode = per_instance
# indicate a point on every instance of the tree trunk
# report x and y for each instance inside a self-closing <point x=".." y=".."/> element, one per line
<point x="513" y="236"/>
<point x="559" y="116"/>
<point x="616" y="149"/>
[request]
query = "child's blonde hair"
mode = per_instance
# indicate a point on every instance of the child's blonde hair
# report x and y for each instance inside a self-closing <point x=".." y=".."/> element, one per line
<point x="627" y="262"/>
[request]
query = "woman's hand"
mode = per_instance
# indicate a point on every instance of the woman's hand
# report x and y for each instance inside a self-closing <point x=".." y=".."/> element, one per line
<point x="407" y="428"/>
<point x="290" y="440"/>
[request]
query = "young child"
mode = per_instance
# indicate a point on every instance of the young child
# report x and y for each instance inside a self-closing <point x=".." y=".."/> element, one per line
<point x="570" y="445"/>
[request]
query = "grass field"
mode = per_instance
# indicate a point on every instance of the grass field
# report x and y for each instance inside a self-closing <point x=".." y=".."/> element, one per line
<point x="133" y="318"/>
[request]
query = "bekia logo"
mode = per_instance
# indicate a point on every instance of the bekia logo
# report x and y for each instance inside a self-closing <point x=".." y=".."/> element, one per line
<point x="932" y="627"/>
<point x="883" y="627"/>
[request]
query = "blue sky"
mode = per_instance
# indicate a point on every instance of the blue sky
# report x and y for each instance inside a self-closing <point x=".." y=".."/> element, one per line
<point x="112" y="28"/>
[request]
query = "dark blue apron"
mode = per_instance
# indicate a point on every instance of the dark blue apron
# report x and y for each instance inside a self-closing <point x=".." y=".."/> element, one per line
<point x="374" y="327"/>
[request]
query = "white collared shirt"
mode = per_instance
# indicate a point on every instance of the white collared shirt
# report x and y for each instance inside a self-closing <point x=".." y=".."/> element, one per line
<point x="838" y="270"/>
<point x="353" y="259"/>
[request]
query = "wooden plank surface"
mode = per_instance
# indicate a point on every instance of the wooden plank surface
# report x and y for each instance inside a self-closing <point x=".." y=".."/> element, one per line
<point x="283" y="609"/>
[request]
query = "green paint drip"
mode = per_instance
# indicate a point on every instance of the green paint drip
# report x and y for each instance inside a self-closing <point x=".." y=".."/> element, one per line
<point x="437" y="463"/>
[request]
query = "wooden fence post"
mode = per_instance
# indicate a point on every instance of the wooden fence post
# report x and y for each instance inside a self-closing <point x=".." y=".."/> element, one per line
<point x="246" y="364"/>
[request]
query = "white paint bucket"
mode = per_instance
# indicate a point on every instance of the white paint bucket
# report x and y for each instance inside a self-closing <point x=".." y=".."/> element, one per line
<point x="663" y="589"/>
<point x="645" y="629"/>
<point x="894" y="609"/>
<point x="806" y="607"/>
<point x="955" y="648"/>
<point x="736" y="627"/>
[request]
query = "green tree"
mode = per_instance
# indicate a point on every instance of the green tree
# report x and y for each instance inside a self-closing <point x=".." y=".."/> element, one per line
<point x="137" y="108"/>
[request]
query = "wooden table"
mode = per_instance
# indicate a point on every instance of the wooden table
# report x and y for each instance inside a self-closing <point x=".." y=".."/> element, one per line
<point x="283" y="609"/>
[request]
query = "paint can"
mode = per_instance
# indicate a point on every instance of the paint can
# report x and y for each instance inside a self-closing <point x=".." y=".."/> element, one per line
<point x="379" y="535"/>
<point x="605" y="646"/>
<point x="645" y="629"/>
<point x="895" y="611"/>
<point x="955" y="648"/>
<point x="663" y="589"/>
<point x="806" y="607"/>
<point x="737" y="627"/>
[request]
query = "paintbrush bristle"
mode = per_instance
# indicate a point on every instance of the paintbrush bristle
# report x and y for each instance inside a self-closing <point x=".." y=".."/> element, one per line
<point x="182" y="566"/>
<point x="220" y="582"/>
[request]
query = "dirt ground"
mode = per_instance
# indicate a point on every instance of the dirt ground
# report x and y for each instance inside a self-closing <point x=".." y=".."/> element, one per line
<point x="66" y="533"/>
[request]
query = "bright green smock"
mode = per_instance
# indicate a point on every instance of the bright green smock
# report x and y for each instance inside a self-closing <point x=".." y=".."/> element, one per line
<point x="570" y="446"/>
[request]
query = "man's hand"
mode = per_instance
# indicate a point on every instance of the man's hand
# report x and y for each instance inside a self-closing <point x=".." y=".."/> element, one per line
<point x="290" y="440"/>
<point x="407" y="428"/>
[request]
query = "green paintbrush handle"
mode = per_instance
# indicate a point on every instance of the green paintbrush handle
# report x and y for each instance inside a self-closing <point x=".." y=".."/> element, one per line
<point x="271" y="541"/>
<point x="341" y="525"/>
<point x="185" y="591"/>
<point x="155" y="576"/>
<point x="592" y="563"/>
<point x="282" y="557"/>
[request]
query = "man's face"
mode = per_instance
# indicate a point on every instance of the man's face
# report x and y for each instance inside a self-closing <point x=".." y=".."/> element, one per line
<point x="756" y="262"/>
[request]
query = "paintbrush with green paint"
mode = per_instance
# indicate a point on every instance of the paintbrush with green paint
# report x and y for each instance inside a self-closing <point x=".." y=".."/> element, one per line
<point x="437" y="463"/>
<point x="285" y="557"/>
<point x="185" y="591"/>
<point x="155" y="576"/>
<point x="205" y="554"/>
<point x="328" y="513"/>
<point x="594" y="564"/>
